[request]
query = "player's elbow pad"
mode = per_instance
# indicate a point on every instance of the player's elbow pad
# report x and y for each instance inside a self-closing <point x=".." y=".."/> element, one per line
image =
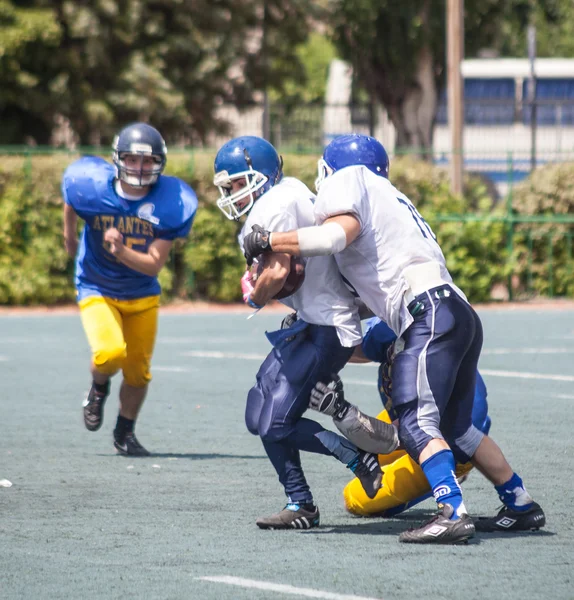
<point x="322" y="240"/>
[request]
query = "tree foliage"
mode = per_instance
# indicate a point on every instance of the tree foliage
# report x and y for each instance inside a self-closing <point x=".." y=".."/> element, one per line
<point x="108" y="62"/>
<point x="398" y="52"/>
<point x="29" y="37"/>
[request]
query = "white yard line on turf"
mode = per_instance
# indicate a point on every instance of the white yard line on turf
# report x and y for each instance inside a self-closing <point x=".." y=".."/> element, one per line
<point x="281" y="588"/>
<point x="491" y="372"/>
<point x="195" y="340"/>
<point x="562" y="396"/>
<point x="499" y="351"/>
<point x="216" y="354"/>
<point x="523" y="375"/>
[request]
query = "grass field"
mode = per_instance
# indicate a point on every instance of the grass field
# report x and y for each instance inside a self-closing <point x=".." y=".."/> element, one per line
<point x="81" y="522"/>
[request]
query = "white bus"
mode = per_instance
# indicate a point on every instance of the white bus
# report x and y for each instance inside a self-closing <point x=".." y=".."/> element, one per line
<point x="497" y="115"/>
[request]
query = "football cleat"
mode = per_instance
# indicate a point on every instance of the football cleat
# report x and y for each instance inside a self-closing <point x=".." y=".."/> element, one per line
<point x="129" y="446"/>
<point x="441" y="529"/>
<point x="368" y="471"/>
<point x="292" y="516"/>
<point x="508" y="519"/>
<point x="94" y="408"/>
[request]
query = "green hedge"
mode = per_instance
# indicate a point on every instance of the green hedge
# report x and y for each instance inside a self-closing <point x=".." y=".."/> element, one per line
<point x="542" y="258"/>
<point x="34" y="268"/>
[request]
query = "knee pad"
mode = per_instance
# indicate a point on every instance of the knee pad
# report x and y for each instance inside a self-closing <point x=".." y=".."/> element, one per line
<point x="356" y="501"/>
<point x="109" y="360"/>
<point x="255" y="400"/>
<point x="286" y="392"/>
<point x="137" y="375"/>
<point x="274" y="434"/>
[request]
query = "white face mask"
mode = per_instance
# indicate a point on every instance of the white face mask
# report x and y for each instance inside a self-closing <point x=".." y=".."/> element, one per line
<point x="236" y="204"/>
<point x="323" y="171"/>
<point x="138" y="176"/>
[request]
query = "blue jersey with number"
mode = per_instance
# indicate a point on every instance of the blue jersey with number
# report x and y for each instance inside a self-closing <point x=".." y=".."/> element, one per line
<point x="376" y="342"/>
<point x="165" y="213"/>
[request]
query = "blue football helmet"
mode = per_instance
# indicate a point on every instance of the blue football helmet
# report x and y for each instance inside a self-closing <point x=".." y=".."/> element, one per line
<point x="353" y="149"/>
<point x="251" y="160"/>
<point x="142" y="140"/>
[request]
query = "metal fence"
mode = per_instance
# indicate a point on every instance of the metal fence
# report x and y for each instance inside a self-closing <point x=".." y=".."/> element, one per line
<point x="539" y="247"/>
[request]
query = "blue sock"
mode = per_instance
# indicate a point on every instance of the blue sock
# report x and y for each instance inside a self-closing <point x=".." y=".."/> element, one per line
<point x="513" y="494"/>
<point x="439" y="470"/>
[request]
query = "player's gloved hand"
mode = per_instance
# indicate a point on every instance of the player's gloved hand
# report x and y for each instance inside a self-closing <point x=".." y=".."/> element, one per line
<point x="289" y="320"/>
<point x="256" y="243"/>
<point x="247" y="284"/>
<point x="329" y="399"/>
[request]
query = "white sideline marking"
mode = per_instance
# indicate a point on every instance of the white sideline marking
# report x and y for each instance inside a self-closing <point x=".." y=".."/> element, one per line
<point x="499" y="351"/>
<point x="491" y="372"/>
<point x="172" y="369"/>
<point x="216" y="354"/>
<point x="562" y="396"/>
<point x="523" y="375"/>
<point x="281" y="589"/>
<point x="196" y="340"/>
<point x="370" y="383"/>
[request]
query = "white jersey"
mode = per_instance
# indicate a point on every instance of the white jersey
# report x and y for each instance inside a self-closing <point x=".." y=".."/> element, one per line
<point x="395" y="256"/>
<point x="323" y="299"/>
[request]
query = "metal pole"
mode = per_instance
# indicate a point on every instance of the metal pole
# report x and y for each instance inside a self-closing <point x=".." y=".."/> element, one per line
<point x="455" y="52"/>
<point x="266" y="116"/>
<point x="532" y="94"/>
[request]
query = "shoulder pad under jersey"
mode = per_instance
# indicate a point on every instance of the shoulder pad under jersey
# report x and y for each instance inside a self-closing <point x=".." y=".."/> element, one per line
<point x="179" y="198"/>
<point x="86" y="180"/>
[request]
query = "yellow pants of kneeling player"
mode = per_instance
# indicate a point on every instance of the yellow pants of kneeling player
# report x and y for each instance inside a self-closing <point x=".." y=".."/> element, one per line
<point x="121" y="334"/>
<point x="403" y="481"/>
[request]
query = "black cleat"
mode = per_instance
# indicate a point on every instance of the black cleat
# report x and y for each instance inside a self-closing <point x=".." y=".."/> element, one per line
<point x="291" y="517"/>
<point x="441" y="529"/>
<point x="508" y="519"/>
<point x="94" y="408"/>
<point x="129" y="446"/>
<point x="367" y="469"/>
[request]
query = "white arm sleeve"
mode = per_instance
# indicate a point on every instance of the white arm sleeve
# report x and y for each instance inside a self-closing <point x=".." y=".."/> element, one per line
<point x="322" y="240"/>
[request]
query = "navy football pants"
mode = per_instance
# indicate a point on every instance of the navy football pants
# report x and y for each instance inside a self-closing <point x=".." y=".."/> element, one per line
<point x="434" y="376"/>
<point x="276" y="403"/>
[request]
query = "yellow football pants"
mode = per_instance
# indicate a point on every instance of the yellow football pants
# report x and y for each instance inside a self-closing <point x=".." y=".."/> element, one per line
<point x="121" y="334"/>
<point x="403" y="481"/>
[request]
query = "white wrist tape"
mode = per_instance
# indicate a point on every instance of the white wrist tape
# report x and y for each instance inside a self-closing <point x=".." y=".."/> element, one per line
<point x="322" y="240"/>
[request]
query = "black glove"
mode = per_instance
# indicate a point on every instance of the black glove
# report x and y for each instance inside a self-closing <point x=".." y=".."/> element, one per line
<point x="289" y="320"/>
<point x="329" y="399"/>
<point x="256" y="243"/>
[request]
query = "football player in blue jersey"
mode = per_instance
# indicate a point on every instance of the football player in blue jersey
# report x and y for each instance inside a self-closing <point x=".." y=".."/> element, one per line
<point x="131" y="213"/>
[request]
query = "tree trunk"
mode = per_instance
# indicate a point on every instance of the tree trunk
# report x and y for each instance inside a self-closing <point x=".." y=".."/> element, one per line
<point x="413" y="115"/>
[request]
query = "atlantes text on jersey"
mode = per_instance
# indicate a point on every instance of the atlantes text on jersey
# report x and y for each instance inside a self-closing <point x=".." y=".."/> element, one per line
<point x="166" y="213"/>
